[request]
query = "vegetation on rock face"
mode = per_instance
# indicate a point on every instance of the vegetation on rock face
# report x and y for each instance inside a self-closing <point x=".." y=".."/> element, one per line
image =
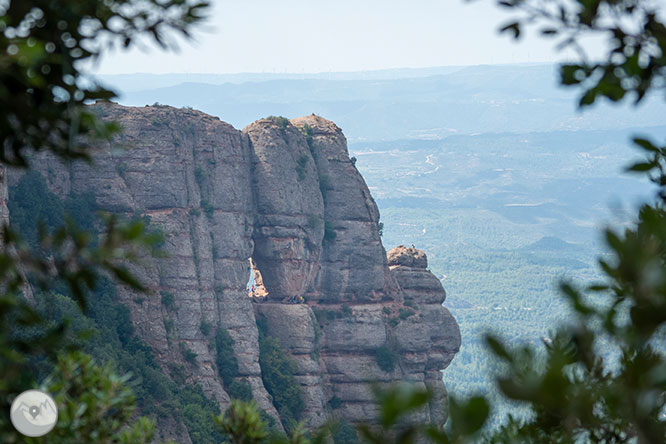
<point x="207" y="208"/>
<point x="197" y="411"/>
<point x="329" y="231"/>
<point x="189" y="355"/>
<point x="105" y="330"/>
<point x="314" y="221"/>
<point x="227" y="367"/>
<point x="38" y="206"/>
<point x="386" y="358"/>
<point x="199" y="176"/>
<point x="240" y="390"/>
<point x="324" y="316"/>
<point x="324" y="185"/>
<point x="205" y="328"/>
<point x="168" y="300"/>
<point x="227" y="364"/>
<point x="405" y="313"/>
<point x="300" y="167"/>
<point x="334" y="403"/>
<point x="277" y="372"/>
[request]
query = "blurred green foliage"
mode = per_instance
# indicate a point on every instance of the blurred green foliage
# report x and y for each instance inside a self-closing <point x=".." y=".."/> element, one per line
<point x="43" y="46"/>
<point x="633" y="32"/>
<point x="42" y="95"/>
<point x="94" y="404"/>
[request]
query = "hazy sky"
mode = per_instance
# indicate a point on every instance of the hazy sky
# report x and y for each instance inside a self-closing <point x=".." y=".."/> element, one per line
<point x="339" y="35"/>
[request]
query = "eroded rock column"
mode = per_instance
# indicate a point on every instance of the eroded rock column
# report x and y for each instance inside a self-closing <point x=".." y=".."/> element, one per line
<point x="429" y="341"/>
<point x="289" y="209"/>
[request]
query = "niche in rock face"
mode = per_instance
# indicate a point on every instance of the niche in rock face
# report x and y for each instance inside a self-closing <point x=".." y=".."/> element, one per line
<point x="255" y="286"/>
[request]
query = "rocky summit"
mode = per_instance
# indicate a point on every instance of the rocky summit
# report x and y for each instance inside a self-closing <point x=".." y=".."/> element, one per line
<point x="280" y="200"/>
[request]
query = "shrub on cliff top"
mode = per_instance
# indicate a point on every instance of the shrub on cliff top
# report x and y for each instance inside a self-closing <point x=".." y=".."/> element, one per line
<point x="282" y="122"/>
<point x="307" y="130"/>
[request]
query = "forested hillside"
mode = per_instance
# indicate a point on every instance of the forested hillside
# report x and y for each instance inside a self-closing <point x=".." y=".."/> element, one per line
<point x="429" y="103"/>
<point x="504" y="217"/>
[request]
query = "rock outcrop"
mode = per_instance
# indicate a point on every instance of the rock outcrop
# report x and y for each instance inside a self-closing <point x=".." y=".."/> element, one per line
<point x="285" y="194"/>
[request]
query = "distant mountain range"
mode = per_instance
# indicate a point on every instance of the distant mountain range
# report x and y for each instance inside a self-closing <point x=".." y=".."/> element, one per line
<point x="140" y="81"/>
<point x="427" y="103"/>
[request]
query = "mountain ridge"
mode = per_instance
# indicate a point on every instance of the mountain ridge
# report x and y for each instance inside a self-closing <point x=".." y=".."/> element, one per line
<point x="495" y="98"/>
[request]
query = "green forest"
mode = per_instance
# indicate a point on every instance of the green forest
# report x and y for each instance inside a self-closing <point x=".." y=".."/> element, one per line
<point x="502" y="235"/>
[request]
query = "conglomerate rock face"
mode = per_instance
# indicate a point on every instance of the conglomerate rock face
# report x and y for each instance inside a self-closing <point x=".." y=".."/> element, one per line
<point x="285" y="194"/>
<point x="289" y="226"/>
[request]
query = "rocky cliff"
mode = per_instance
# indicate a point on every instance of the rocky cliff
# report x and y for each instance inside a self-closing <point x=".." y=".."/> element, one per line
<point x="286" y="195"/>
